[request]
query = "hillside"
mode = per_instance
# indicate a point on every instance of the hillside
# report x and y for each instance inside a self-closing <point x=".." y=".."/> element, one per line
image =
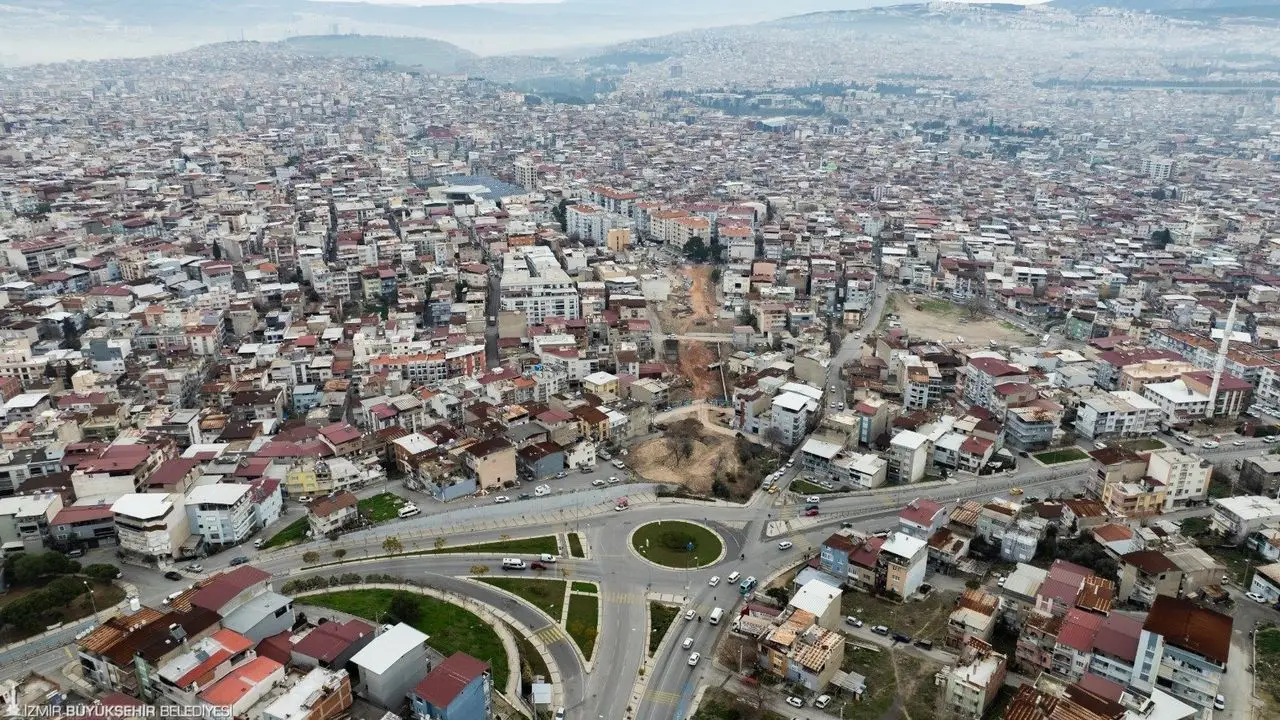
<point x="428" y="54"/>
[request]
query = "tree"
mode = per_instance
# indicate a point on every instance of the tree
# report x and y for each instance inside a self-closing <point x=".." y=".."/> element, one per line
<point x="973" y="306"/>
<point x="479" y="569"/>
<point x="404" y="607"/>
<point x="439" y="543"/>
<point x="217" y="251"/>
<point x="70" y="334"/>
<point x="392" y="545"/>
<point x="460" y="291"/>
<point x="102" y="572"/>
<point x="737" y="653"/>
<point x="773" y="436"/>
<point x="310" y="557"/>
<point x="340" y="553"/>
<point x="558" y="212"/>
<point x="720" y="489"/>
<point x="681" y="447"/>
<point x="778" y="593"/>
<point x="696" y="250"/>
<point x="1161" y="238"/>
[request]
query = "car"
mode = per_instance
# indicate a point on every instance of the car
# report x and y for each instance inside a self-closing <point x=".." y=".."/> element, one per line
<point x="901" y="637"/>
<point x="813" y="499"/>
<point x="1269" y="439"/>
<point x="768" y="483"/>
<point x="880" y="629"/>
<point x="525" y="496"/>
<point x="1209" y="444"/>
<point x="547" y="558"/>
<point x="619" y="464"/>
<point x="791" y="462"/>
<point x="559" y="714"/>
<point x="238" y="561"/>
<point x="585" y="469"/>
<point x="598" y="482"/>
<point x="173" y="575"/>
<point x="774" y="490"/>
<point x="826" y="485"/>
<point x="785" y="545"/>
<point x="562" y="475"/>
<point x="822" y="701"/>
<point x="195" y="568"/>
<point x="1255" y="597"/>
<point x="1237" y="443"/>
<point x="604" y="455"/>
<point x="1015" y="491"/>
<point x="538" y="566"/>
<point x="614" y="480"/>
<point x="690" y="614"/>
<point x="794" y="701"/>
<point x="688" y="643"/>
<point x="620" y="507"/>
<point x="924" y="644"/>
<point x="259" y="542"/>
<point x="714" y="581"/>
<point x="694" y="658"/>
<point x="851" y="620"/>
<point x="1220" y="703"/>
<point x="811" y="512"/>
<point x="501" y="499"/>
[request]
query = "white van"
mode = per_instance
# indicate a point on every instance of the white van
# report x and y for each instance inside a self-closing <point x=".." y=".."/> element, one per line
<point x="542" y="490"/>
<point x="716" y="614"/>
<point x="733" y="577"/>
<point x="408" y="511"/>
<point x="512" y="564"/>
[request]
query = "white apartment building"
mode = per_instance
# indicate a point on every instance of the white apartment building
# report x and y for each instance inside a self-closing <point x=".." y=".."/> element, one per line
<point x="592" y="224"/>
<point x="1120" y="413"/>
<point x="791" y="415"/>
<point x="1237" y="517"/>
<point x="17" y="361"/>
<point x="1184" y="650"/>
<point x="983" y="374"/>
<point x="534" y="283"/>
<point x="221" y="513"/>
<point x="151" y="524"/>
<point x="909" y="454"/>
<point x="1158" y="168"/>
<point x="1178" y="403"/>
<point x="1185" y="476"/>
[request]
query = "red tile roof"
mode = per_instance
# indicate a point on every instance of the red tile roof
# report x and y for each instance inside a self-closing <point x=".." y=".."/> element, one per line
<point x="1190" y="627"/>
<point x="225" y="586"/>
<point x="449" y="678"/>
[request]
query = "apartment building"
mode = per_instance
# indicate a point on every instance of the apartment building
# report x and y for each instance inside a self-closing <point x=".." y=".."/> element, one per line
<point x="1185" y="477"/>
<point x="221" y="513"/>
<point x="901" y="564"/>
<point x="792" y="415"/>
<point x="1238" y="517"/>
<point x="909" y="456"/>
<point x="151" y="525"/>
<point x="533" y="283"/>
<point x="1183" y="650"/>
<point x="972" y="685"/>
<point x="1119" y="413"/>
<point x="982" y="376"/>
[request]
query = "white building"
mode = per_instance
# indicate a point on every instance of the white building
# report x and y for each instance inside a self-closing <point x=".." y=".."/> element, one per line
<point x="1120" y="413"/>
<point x="909" y="454"/>
<point x="1237" y="517"/>
<point x="221" y="513"/>
<point x="1185" y="476"/>
<point x="906" y="559"/>
<point x="792" y="415"/>
<point x="534" y="283"/>
<point x="151" y="524"/>
<point x="861" y="470"/>
<point x="1158" y="168"/>
<point x="1178" y="403"/>
<point x="1184" y="650"/>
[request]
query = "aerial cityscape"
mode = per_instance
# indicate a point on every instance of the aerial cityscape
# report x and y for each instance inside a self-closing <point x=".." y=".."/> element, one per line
<point x="605" y="360"/>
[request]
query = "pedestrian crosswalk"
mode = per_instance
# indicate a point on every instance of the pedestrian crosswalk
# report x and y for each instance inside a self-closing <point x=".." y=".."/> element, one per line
<point x="550" y="634"/>
<point x="662" y="698"/>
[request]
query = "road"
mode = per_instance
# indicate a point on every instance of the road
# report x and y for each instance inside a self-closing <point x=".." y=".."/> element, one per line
<point x="851" y="347"/>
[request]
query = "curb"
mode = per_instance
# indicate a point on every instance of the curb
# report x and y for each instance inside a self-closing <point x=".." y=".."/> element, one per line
<point x="641" y="685"/>
<point x="492" y="617"/>
<point x="531" y="636"/>
<point x="582" y="541"/>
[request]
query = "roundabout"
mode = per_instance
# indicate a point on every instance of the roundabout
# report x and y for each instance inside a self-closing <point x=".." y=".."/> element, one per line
<point x="677" y="544"/>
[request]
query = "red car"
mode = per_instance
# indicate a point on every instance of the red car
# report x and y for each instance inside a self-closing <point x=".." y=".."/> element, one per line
<point x="811" y="512"/>
<point x="538" y="566"/>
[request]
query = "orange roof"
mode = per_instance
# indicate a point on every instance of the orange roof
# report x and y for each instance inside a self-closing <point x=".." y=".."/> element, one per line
<point x="240" y="681"/>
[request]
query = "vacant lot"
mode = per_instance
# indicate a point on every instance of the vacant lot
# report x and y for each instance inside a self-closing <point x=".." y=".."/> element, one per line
<point x="450" y="627"/>
<point x="720" y="704"/>
<point x="921" y="619"/>
<point x="703" y="461"/>
<point x="942" y="321"/>
<point x="1057" y="457"/>
<point x="546" y="595"/>
<point x="899" y="686"/>
<point x="1267" y="666"/>
<point x="381" y="507"/>
<point x="294" y="532"/>
<point x="1138" y="444"/>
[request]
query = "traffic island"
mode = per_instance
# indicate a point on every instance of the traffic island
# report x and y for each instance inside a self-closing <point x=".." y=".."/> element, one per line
<point x="677" y="544"/>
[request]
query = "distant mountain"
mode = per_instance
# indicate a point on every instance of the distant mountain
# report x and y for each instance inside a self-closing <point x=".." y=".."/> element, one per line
<point x="432" y="55"/>
<point x="1232" y="7"/>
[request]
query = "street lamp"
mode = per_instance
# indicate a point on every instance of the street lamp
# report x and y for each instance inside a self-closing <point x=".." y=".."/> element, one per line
<point x="92" y="600"/>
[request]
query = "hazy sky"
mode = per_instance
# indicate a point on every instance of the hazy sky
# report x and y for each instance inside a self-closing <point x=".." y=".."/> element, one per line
<point x="440" y="2"/>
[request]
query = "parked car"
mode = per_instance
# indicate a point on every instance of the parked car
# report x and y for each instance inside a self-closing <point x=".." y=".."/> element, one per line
<point x="547" y="558"/>
<point x="1015" y="491"/>
<point x="560" y="714"/>
<point x="785" y="545"/>
<point x="1237" y="443"/>
<point x="901" y="637"/>
<point x="851" y="620"/>
<point x="238" y="561"/>
<point x="562" y="475"/>
<point x="1220" y="703"/>
<point x="585" y="469"/>
<point x="259" y="542"/>
<point x="598" y="482"/>
<point x="173" y="575"/>
<point x="924" y="644"/>
<point x="525" y="496"/>
<point x="794" y="701"/>
<point x="880" y="629"/>
<point x="1210" y="444"/>
<point x="811" y="512"/>
<point x="501" y="499"/>
<point x="690" y="614"/>
<point x="195" y="568"/>
<point x="1255" y="597"/>
<point x="614" y="480"/>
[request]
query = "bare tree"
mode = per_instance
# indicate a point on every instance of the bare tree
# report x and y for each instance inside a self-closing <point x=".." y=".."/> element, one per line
<point x="974" y="306"/>
<point x="737" y="653"/>
<point x="393" y="545"/>
<point x="681" y="447"/>
<point x="439" y="543"/>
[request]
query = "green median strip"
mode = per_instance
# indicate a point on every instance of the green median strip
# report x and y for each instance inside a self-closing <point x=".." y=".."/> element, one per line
<point x="583" y="622"/>
<point x="546" y="595"/>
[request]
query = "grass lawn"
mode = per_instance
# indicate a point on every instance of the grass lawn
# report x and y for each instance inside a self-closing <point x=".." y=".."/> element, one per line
<point x="720" y="704"/>
<point x="1065" y="455"/>
<point x="1267" y="666"/>
<point x="575" y="545"/>
<point x="881" y="688"/>
<point x="528" y="546"/>
<point x="939" y="307"/>
<point x="918" y="618"/>
<point x="804" y="487"/>
<point x="532" y="663"/>
<point x="585" y="587"/>
<point x="451" y="628"/>
<point x="546" y="595"/>
<point x="661" y="616"/>
<point x="294" y="532"/>
<point x="1239" y="561"/>
<point x="584" y="614"/>
<point x="677" y="544"/>
<point x="381" y="507"/>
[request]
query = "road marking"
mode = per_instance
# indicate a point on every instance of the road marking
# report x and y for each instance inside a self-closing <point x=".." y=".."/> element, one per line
<point x="663" y="698"/>
<point x="550" y="634"/>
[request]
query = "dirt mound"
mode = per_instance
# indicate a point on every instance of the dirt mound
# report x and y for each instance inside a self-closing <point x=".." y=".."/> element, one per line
<point x="709" y="454"/>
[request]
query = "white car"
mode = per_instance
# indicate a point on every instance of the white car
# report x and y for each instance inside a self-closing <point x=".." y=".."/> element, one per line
<point x="547" y="558"/>
<point x="690" y="614"/>
<point x="259" y="542"/>
<point x="1255" y="597"/>
<point x="613" y="480"/>
<point x="714" y="581"/>
<point x="501" y="499"/>
<point x="1209" y="444"/>
<point x="1237" y="443"/>
<point x="813" y="499"/>
<point x="785" y="545"/>
<point x="794" y="701"/>
<point x="694" y="658"/>
<point x="597" y="482"/>
<point x="1220" y="703"/>
<point x="688" y="643"/>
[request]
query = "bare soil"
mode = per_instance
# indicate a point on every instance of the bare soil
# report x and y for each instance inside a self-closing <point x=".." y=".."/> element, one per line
<point x="711" y="454"/>
<point x="940" y="321"/>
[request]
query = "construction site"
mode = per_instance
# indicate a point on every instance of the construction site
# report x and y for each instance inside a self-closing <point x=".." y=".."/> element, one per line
<point x="693" y="307"/>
